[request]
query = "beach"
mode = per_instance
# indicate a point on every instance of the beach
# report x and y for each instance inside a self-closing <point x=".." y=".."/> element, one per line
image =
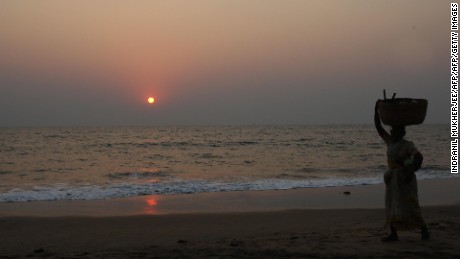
<point x="228" y="129"/>
<point x="323" y="227"/>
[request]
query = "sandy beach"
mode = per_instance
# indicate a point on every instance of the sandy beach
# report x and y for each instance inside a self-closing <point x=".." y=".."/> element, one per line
<point x="322" y="227"/>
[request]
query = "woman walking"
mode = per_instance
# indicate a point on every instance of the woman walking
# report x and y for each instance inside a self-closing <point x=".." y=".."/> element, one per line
<point x="402" y="208"/>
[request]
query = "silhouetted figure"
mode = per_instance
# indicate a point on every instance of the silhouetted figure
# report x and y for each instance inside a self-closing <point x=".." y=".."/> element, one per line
<point x="402" y="208"/>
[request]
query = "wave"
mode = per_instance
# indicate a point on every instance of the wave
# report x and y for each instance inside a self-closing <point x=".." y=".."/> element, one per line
<point x="96" y="192"/>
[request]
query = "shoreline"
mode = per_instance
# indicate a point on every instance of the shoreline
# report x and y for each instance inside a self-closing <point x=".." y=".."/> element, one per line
<point x="312" y="229"/>
<point x="433" y="192"/>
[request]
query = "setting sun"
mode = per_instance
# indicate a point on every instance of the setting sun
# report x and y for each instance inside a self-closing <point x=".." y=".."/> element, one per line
<point x="151" y="100"/>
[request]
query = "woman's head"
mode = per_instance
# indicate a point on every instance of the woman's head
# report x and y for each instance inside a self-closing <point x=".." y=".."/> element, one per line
<point x="397" y="132"/>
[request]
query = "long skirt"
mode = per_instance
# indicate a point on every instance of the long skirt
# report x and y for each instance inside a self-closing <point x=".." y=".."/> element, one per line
<point x="402" y="208"/>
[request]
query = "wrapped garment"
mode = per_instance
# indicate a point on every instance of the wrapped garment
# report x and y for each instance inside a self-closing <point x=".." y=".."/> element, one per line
<point x="402" y="207"/>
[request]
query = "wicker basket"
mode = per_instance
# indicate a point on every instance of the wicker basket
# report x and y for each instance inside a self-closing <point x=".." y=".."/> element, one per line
<point x="402" y="111"/>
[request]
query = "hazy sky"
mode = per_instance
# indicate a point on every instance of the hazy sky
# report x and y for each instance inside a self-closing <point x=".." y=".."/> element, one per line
<point x="66" y="63"/>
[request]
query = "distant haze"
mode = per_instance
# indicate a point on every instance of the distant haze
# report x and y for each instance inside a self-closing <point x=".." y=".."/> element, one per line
<point x="72" y="63"/>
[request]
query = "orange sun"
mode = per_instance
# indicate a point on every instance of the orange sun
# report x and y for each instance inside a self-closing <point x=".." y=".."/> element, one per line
<point x="151" y="100"/>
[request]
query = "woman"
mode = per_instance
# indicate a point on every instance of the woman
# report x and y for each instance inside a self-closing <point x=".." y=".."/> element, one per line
<point x="402" y="208"/>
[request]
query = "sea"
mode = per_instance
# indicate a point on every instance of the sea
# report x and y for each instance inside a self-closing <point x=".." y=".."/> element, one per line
<point x="89" y="163"/>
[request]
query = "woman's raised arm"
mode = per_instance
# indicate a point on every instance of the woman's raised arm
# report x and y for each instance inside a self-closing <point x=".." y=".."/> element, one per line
<point x="378" y="124"/>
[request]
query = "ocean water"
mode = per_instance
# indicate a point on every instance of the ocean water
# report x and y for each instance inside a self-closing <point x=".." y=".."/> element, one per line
<point x="104" y="163"/>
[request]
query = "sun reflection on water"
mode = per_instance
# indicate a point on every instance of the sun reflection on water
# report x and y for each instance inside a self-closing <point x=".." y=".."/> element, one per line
<point x="151" y="204"/>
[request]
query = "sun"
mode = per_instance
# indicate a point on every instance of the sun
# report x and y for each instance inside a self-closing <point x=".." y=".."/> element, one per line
<point x="151" y="100"/>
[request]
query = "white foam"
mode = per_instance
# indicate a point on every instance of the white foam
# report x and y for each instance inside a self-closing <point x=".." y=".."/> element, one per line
<point x="94" y="192"/>
<point x="63" y="192"/>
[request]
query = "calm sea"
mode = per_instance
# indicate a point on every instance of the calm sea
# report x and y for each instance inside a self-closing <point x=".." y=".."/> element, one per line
<point x="104" y="163"/>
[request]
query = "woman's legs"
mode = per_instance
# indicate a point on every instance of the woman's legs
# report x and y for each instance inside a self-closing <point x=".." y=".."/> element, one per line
<point x="393" y="235"/>
<point x="425" y="233"/>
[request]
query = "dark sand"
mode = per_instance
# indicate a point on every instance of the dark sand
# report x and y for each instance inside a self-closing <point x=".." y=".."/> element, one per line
<point x="290" y="231"/>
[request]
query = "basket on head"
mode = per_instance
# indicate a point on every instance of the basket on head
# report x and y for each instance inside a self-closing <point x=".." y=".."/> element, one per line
<point x="402" y="111"/>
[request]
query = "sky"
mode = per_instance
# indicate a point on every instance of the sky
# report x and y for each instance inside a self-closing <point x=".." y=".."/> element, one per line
<point x="219" y="62"/>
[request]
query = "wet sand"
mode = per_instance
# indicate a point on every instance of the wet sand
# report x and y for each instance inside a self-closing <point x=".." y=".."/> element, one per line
<point x="289" y="231"/>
